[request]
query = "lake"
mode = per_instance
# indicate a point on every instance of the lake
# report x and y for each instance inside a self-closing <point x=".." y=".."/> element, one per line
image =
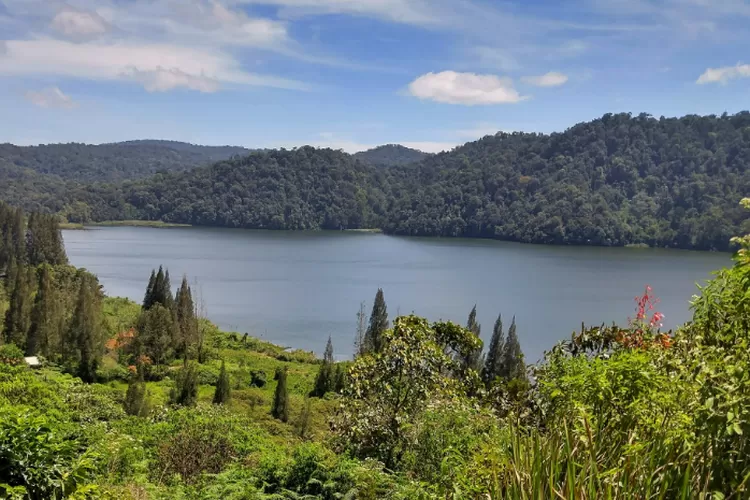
<point x="297" y="288"/>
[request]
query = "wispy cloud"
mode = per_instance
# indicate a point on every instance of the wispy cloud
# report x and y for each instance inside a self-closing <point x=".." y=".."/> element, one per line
<point x="551" y="79"/>
<point x="724" y="74"/>
<point x="79" y="24"/>
<point x="465" y="88"/>
<point x="50" y="97"/>
<point x="156" y="66"/>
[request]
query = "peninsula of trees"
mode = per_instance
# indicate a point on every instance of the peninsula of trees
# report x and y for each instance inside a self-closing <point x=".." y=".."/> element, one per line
<point x="617" y="180"/>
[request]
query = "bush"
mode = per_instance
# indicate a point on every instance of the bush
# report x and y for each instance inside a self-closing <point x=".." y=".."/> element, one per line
<point x="258" y="378"/>
<point x="197" y="448"/>
<point x="10" y="354"/>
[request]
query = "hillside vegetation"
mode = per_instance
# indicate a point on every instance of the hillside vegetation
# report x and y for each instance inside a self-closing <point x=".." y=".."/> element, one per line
<point x="390" y="155"/>
<point x="617" y="180"/>
<point x="151" y="401"/>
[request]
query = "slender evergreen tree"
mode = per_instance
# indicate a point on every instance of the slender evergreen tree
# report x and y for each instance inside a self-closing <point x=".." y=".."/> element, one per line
<point x="359" y="339"/>
<point x="280" y="405"/>
<point x="324" y="381"/>
<point x="378" y="324"/>
<point x="187" y="323"/>
<point x="18" y="315"/>
<point x="473" y="359"/>
<point x="512" y="360"/>
<point x="185" y="390"/>
<point x="148" y="298"/>
<point x="493" y="365"/>
<point x="304" y="423"/>
<point x="223" y="389"/>
<point x="136" y="397"/>
<point x="155" y="332"/>
<point x="46" y="317"/>
<point x="339" y="379"/>
<point x="86" y="329"/>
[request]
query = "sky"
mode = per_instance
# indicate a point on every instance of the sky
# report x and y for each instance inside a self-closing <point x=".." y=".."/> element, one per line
<point x="353" y="74"/>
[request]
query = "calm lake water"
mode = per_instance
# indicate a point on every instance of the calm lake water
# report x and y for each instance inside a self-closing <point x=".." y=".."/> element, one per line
<point x="296" y="288"/>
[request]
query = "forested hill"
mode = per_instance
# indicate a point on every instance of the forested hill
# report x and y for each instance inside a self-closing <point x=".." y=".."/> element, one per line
<point x="617" y="180"/>
<point x="113" y="162"/>
<point x="390" y="155"/>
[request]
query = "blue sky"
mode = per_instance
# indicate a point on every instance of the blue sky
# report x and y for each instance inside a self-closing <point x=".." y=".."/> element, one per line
<point x="353" y="74"/>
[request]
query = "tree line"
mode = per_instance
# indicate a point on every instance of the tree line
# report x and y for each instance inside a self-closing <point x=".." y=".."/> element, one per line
<point x="617" y="180"/>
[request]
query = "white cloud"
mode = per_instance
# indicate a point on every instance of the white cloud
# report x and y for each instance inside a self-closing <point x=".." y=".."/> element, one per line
<point x="157" y="66"/>
<point x="162" y="80"/>
<point x="79" y="24"/>
<point x="465" y="88"/>
<point x="724" y="74"/>
<point x="50" y="97"/>
<point x="551" y="79"/>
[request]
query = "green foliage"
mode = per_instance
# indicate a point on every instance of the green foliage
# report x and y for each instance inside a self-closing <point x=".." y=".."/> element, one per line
<point x="512" y="364"/>
<point x="390" y="155"/>
<point x="493" y="364"/>
<point x="156" y="332"/>
<point x="136" y="401"/>
<point x="185" y="389"/>
<point x="378" y="325"/>
<point x="325" y="380"/>
<point x="10" y="354"/>
<point x="280" y="406"/>
<point x="223" y="389"/>
<point x="187" y="323"/>
<point x="41" y="457"/>
<point x="18" y="315"/>
<point x="391" y="388"/>
<point x="83" y="341"/>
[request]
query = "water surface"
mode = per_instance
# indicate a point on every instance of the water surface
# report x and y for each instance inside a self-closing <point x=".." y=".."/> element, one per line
<point x="297" y="288"/>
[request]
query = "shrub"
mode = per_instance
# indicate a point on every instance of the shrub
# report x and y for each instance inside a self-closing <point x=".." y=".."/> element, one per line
<point x="10" y="354"/>
<point x="197" y="448"/>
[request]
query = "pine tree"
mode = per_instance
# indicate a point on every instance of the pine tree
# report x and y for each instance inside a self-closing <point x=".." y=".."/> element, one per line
<point x="280" y="406"/>
<point x="513" y="366"/>
<point x="86" y="329"/>
<point x="359" y="340"/>
<point x="324" y="381"/>
<point x="339" y="379"/>
<point x="378" y="324"/>
<point x="136" y="398"/>
<point x="155" y="332"/>
<point x="187" y="324"/>
<point x="18" y="238"/>
<point x="493" y="366"/>
<point x="18" y="315"/>
<point x="223" y="391"/>
<point x="303" y="424"/>
<point x="473" y="359"/>
<point x="148" y="299"/>
<point x="185" y="390"/>
<point x="46" y="317"/>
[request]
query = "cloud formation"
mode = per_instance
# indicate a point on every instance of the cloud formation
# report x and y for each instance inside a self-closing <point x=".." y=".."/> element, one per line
<point x="551" y="79"/>
<point x="724" y="74"/>
<point x="79" y="24"/>
<point x="50" y="97"/>
<point x="156" y="66"/>
<point x="465" y="88"/>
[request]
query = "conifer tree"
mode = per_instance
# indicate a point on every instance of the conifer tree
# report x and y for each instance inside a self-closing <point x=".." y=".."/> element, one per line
<point x="378" y="324"/>
<point x="18" y="315"/>
<point x="46" y="317"/>
<point x="18" y="238"/>
<point x="86" y="329"/>
<point x="303" y="424"/>
<point x="359" y="339"/>
<point x="136" y="397"/>
<point x="148" y="298"/>
<point x="223" y="390"/>
<point x="339" y="378"/>
<point x="156" y="333"/>
<point x="280" y="405"/>
<point x="324" y="381"/>
<point x="185" y="390"/>
<point x="512" y="359"/>
<point x="473" y="359"/>
<point x="187" y="323"/>
<point x="493" y="366"/>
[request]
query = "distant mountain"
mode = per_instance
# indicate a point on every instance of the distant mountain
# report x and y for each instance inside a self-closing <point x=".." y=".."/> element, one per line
<point x="113" y="162"/>
<point x="390" y="155"/>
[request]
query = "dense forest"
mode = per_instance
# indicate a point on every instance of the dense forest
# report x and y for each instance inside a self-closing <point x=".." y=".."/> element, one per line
<point x="618" y="180"/>
<point x="390" y="155"/>
<point x="113" y="162"/>
<point x="151" y="401"/>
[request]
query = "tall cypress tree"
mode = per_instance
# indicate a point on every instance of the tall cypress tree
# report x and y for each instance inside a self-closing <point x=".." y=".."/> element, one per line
<point x="136" y="397"/>
<point x="473" y="359"/>
<point x="512" y="360"/>
<point x="18" y="315"/>
<point x="493" y="366"/>
<point x="155" y="332"/>
<point x="324" y="381"/>
<point x="378" y="324"/>
<point x="86" y="329"/>
<point x="18" y="238"/>
<point x="223" y="390"/>
<point x="280" y="405"/>
<point x="46" y="317"/>
<point x="148" y="298"/>
<point x="185" y="390"/>
<point x="187" y="323"/>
